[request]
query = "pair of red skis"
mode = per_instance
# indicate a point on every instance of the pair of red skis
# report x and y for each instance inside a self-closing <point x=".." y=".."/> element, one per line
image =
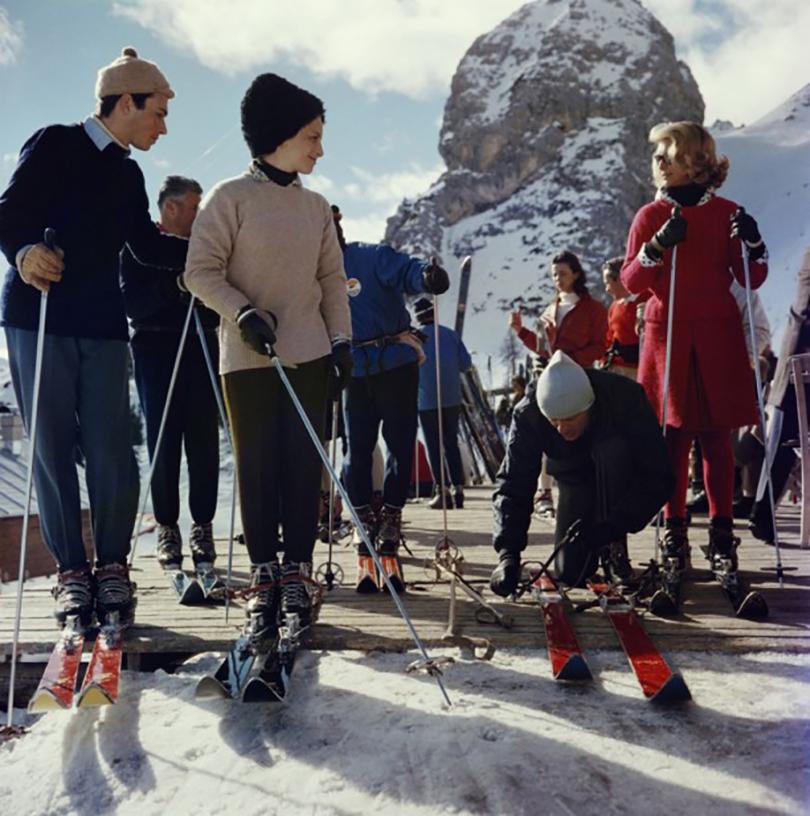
<point x="657" y="680"/>
<point x="57" y="688"/>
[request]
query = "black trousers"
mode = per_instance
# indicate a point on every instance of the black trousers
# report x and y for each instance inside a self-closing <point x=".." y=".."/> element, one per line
<point x="454" y="473"/>
<point x="390" y="399"/>
<point x="589" y="482"/>
<point x="192" y="423"/>
<point x="277" y="466"/>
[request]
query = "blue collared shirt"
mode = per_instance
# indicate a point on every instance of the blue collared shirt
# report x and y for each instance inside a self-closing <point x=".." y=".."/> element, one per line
<point x="99" y="135"/>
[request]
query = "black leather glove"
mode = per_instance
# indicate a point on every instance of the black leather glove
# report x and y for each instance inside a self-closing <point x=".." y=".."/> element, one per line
<point x="673" y="232"/>
<point x="506" y="575"/>
<point x="594" y="536"/>
<point x="341" y="370"/>
<point x="744" y="227"/>
<point x="257" y="327"/>
<point x="175" y="289"/>
<point x="434" y="279"/>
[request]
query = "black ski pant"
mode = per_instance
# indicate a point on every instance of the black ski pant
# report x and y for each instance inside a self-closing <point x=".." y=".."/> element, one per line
<point x="277" y="466"/>
<point x="390" y="399"/>
<point x="589" y="483"/>
<point x="192" y="422"/>
<point x="453" y="472"/>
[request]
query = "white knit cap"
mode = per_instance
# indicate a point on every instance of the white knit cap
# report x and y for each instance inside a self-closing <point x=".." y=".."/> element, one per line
<point x="563" y="389"/>
<point x="132" y="75"/>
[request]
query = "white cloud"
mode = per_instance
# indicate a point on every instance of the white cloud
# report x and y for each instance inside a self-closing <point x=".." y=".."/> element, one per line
<point x="411" y="47"/>
<point x="747" y="56"/>
<point x="320" y="184"/>
<point x="391" y="188"/>
<point x="367" y="228"/>
<point x="11" y="38"/>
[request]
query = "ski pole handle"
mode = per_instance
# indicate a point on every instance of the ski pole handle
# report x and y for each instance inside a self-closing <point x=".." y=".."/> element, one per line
<point x="49" y="238"/>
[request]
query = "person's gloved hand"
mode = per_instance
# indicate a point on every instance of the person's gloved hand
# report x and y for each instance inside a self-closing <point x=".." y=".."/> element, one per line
<point x="744" y="227"/>
<point x="595" y="536"/>
<point x="41" y="266"/>
<point x="175" y="288"/>
<point x="434" y="279"/>
<point x="257" y="327"/>
<point x="672" y="233"/>
<point x="506" y="575"/>
<point x="341" y="369"/>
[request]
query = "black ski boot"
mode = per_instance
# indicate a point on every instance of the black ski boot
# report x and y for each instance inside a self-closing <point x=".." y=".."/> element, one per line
<point x="73" y="594"/>
<point x="389" y="537"/>
<point x="262" y="607"/>
<point x="458" y="497"/>
<point x="295" y="594"/>
<point x="505" y="576"/>
<point x="436" y="502"/>
<point x="722" y="549"/>
<point x="675" y="559"/>
<point x="617" y="562"/>
<point x="115" y="593"/>
<point x="169" y="547"/>
<point x="366" y="571"/>
<point x="201" y="544"/>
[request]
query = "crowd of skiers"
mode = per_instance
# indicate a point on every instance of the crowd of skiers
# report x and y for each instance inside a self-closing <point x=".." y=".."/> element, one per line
<point x="275" y="282"/>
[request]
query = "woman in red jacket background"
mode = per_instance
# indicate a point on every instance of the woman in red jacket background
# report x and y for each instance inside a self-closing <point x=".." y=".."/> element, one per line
<point x="621" y="341"/>
<point x="711" y="390"/>
<point x="574" y="322"/>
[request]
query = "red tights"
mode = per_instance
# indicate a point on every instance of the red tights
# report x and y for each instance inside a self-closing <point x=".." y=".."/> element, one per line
<point x="718" y="470"/>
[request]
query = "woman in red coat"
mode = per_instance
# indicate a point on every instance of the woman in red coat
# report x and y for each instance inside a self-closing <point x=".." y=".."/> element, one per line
<point x="711" y="390"/>
<point x="574" y="322"/>
<point x="621" y="341"/>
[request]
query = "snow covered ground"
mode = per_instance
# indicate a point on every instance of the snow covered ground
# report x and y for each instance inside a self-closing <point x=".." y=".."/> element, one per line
<point x="361" y="736"/>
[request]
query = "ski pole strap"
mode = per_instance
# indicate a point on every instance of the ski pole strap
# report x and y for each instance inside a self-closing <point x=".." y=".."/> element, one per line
<point x="410" y="337"/>
<point x="434" y="666"/>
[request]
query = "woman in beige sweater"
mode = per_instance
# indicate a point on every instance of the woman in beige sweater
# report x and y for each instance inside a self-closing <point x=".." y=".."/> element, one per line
<point x="264" y="254"/>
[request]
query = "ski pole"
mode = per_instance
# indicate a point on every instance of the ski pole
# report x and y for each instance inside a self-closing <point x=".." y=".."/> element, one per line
<point x="49" y="239"/>
<point x="329" y="575"/>
<point x="162" y="427"/>
<point x="224" y="419"/>
<point x="442" y="483"/>
<point x="780" y="573"/>
<point x="428" y="664"/>
<point x="667" y="368"/>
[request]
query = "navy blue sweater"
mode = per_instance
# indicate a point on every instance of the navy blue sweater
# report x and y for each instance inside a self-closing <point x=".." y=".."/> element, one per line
<point x="96" y="201"/>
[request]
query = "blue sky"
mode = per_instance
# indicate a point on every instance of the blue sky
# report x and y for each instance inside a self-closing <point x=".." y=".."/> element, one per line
<point x="382" y="67"/>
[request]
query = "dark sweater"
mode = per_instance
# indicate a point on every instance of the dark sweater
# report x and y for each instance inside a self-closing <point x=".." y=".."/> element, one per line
<point x="153" y="300"/>
<point x="96" y="202"/>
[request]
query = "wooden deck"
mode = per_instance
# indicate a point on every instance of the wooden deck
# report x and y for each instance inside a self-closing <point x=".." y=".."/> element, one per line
<point x="352" y="621"/>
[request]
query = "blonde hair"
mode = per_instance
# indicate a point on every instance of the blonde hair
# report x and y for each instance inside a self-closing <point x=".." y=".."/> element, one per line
<point x="692" y="146"/>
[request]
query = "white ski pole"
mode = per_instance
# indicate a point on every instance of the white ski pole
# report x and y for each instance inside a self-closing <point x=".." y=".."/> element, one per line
<point x="780" y="573"/>
<point x="442" y="464"/>
<point x="667" y="369"/>
<point x="227" y="428"/>
<point x="49" y="239"/>
<point x="162" y="427"/>
<point x="428" y="664"/>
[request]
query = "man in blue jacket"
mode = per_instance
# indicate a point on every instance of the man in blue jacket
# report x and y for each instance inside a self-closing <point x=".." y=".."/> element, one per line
<point x="79" y="180"/>
<point x="383" y="390"/>
<point x="157" y="304"/>
<point x="453" y="360"/>
<point x="605" y="450"/>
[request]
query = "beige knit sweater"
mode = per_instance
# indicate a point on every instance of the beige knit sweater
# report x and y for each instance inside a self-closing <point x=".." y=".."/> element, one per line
<point x="256" y="242"/>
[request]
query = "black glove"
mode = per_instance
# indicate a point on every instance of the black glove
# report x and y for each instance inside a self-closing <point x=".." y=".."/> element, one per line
<point x="673" y="232"/>
<point x="175" y="289"/>
<point x="258" y="328"/>
<point x="595" y="535"/>
<point x="506" y="575"/>
<point x="341" y="370"/>
<point x="434" y="279"/>
<point x="744" y="227"/>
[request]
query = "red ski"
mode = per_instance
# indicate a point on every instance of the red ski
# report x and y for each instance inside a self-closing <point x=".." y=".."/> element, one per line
<point x="100" y="686"/>
<point x="58" y="683"/>
<point x="567" y="660"/>
<point x="657" y="680"/>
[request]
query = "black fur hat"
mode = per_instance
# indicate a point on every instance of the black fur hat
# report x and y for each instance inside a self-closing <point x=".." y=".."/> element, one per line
<point x="274" y="110"/>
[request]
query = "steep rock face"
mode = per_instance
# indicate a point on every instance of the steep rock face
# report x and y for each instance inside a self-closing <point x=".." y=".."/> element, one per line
<point x="544" y="137"/>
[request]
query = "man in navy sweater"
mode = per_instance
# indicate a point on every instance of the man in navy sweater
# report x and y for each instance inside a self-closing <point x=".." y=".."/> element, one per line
<point x="79" y="180"/>
<point x="157" y="303"/>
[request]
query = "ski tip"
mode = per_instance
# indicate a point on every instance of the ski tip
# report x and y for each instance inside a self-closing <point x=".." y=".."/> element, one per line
<point x="208" y="689"/>
<point x="93" y="696"/>
<point x="258" y="691"/>
<point x="45" y="700"/>
<point x="575" y="669"/>
<point x="663" y="606"/>
<point x="672" y="692"/>
<point x="753" y="607"/>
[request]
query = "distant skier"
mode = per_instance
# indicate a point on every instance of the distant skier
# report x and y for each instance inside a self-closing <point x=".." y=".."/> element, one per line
<point x="80" y="180"/>
<point x="264" y="255"/>
<point x="157" y="304"/>
<point x="710" y="389"/>
<point x="453" y="359"/>
<point x="384" y="388"/>
<point x="606" y="451"/>
<point x="507" y="404"/>
<point x="621" y="341"/>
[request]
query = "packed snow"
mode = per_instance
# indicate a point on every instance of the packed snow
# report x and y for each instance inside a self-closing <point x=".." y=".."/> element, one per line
<point x="361" y="736"/>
